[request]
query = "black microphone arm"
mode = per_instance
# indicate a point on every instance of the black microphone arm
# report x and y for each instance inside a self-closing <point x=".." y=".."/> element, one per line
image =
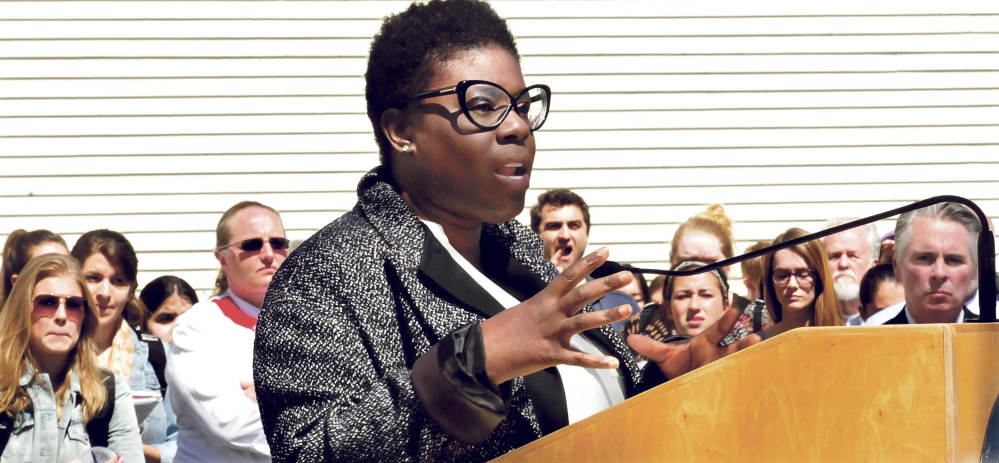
<point x="986" y="251"/>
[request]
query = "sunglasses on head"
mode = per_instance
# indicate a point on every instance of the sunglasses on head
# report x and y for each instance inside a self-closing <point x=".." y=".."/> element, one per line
<point x="256" y="244"/>
<point x="46" y="306"/>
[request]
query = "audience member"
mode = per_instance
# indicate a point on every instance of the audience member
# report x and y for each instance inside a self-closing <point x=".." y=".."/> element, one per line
<point x="887" y="248"/>
<point x="696" y="302"/>
<point x="56" y="401"/>
<point x="211" y="357"/>
<point x="752" y="271"/>
<point x="879" y="289"/>
<point x="410" y="327"/>
<point x="756" y="312"/>
<point x="21" y="247"/>
<point x="562" y="219"/>
<point x="638" y="289"/>
<point x="707" y="237"/>
<point x="851" y="254"/>
<point x="798" y="287"/>
<point x="936" y="260"/>
<point x="110" y="268"/>
<point x="656" y="289"/>
<point x="693" y="303"/>
<point x="166" y="298"/>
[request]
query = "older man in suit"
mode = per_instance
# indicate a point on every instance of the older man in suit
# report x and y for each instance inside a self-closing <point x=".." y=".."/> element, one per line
<point x="936" y="260"/>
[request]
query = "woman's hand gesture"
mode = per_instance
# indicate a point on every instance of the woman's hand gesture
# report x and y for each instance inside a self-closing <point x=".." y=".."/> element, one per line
<point x="677" y="358"/>
<point x="534" y="334"/>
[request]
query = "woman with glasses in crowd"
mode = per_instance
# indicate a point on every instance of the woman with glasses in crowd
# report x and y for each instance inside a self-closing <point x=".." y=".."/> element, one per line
<point x="425" y="324"/>
<point x="798" y="287"/>
<point x="55" y="401"/>
<point x="110" y="268"/>
<point x="21" y="247"/>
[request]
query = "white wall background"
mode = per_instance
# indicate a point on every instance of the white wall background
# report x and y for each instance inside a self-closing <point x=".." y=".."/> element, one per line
<point x="153" y="117"/>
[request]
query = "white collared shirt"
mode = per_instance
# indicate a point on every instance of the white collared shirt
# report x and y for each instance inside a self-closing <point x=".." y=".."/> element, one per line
<point x="587" y="391"/>
<point x="209" y="356"/>
<point x="912" y="321"/>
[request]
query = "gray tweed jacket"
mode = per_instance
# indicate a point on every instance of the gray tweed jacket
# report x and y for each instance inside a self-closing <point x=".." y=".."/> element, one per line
<point x="345" y="318"/>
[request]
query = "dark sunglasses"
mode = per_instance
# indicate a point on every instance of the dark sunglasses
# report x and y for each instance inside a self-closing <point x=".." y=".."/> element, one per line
<point x="46" y="306"/>
<point x="256" y="244"/>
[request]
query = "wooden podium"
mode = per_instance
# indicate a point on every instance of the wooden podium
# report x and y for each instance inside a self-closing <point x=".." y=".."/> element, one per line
<point x="884" y="393"/>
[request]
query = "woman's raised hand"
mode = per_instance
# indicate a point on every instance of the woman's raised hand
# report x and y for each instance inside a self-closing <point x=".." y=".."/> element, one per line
<point x="677" y="358"/>
<point x="534" y="334"/>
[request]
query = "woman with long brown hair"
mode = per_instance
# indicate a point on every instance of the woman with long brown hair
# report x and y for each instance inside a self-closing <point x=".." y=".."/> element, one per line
<point x="48" y="369"/>
<point x="110" y="268"/>
<point x="798" y="287"/>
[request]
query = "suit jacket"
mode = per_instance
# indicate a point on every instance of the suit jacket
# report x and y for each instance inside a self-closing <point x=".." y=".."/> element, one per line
<point x="901" y="319"/>
<point x="351" y="310"/>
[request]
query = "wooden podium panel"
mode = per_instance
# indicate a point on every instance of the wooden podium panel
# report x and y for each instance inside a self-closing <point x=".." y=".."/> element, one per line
<point x="885" y="393"/>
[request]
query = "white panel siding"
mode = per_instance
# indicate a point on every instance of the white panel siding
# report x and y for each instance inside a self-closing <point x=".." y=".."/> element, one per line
<point x="153" y="117"/>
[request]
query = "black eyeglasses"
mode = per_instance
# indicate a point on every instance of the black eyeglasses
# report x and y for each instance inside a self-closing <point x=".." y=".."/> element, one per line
<point x="46" y="306"/>
<point x="804" y="276"/>
<point x="487" y="104"/>
<point x="256" y="244"/>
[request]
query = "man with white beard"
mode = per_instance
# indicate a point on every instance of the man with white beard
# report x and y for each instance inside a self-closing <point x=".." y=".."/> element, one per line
<point x="851" y="254"/>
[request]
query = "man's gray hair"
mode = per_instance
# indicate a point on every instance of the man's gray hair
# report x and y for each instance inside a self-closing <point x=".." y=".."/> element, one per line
<point x="869" y="229"/>
<point x="954" y="212"/>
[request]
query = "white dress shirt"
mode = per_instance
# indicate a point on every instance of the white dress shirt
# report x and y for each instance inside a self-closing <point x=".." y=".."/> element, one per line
<point x="587" y="390"/>
<point x="209" y="356"/>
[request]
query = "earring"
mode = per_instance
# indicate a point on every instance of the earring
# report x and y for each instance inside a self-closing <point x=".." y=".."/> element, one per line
<point x="405" y="148"/>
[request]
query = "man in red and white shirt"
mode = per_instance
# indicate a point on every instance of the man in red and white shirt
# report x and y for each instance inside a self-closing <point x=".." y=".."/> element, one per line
<point x="210" y="370"/>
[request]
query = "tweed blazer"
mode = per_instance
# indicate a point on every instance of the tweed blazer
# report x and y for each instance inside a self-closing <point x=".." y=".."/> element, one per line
<point x="345" y="318"/>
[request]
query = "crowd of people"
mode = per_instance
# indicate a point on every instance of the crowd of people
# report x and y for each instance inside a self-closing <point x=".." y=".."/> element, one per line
<point x="426" y="323"/>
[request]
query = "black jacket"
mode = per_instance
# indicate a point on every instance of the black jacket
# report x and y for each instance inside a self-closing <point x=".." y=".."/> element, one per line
<point x="348" y="314"/>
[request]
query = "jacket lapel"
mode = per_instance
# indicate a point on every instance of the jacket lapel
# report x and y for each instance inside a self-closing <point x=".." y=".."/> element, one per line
<point x="439" y="267"/>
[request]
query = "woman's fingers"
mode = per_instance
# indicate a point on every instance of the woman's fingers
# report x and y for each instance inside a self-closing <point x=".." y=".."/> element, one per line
<point x="589" y="320"/>
<point x="578" y="297"/>
<point x="579" y="270"/>
<point x="582" y="359"/>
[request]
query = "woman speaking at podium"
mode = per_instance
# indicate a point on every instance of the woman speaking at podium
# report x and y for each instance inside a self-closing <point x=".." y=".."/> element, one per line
<point x="425" y="324"/>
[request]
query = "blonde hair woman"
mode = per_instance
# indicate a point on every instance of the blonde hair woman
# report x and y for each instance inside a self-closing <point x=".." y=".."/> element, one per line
<point x="49" y="369"/>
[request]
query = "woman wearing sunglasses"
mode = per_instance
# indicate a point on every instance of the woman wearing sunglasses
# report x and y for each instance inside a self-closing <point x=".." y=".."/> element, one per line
<point x="425" y="324"/>
<point x="211" y="354"/>
<point x="53" y="398"/>
<point x="798" y="287"/>
<point x="110" y="268"/>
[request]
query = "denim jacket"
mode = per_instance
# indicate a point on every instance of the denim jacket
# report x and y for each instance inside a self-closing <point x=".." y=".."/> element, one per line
<point x="39" y="437"/>
<point x="160" y="427"/>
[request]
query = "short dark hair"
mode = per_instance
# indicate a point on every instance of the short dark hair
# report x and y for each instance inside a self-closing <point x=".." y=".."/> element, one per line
<point x="873" y="279"/>
<point x="405" y="54"/>
<point x="560" y="197"/>
<point x="162" y="288"/>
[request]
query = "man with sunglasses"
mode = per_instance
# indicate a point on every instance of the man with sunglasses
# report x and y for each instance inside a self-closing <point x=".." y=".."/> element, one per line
<point x="210" y="370"/>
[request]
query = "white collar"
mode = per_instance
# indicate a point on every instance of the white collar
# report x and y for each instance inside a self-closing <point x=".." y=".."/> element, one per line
<point x="244" y="306"/>
<point x="912" y="321"/>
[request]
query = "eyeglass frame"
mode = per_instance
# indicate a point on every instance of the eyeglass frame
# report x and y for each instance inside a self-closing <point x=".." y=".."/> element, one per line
<point x="783" y="281"/>
<point x="61" y="301"/>
<point x="284" y="243"/>
<point x="460" y="88"/>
